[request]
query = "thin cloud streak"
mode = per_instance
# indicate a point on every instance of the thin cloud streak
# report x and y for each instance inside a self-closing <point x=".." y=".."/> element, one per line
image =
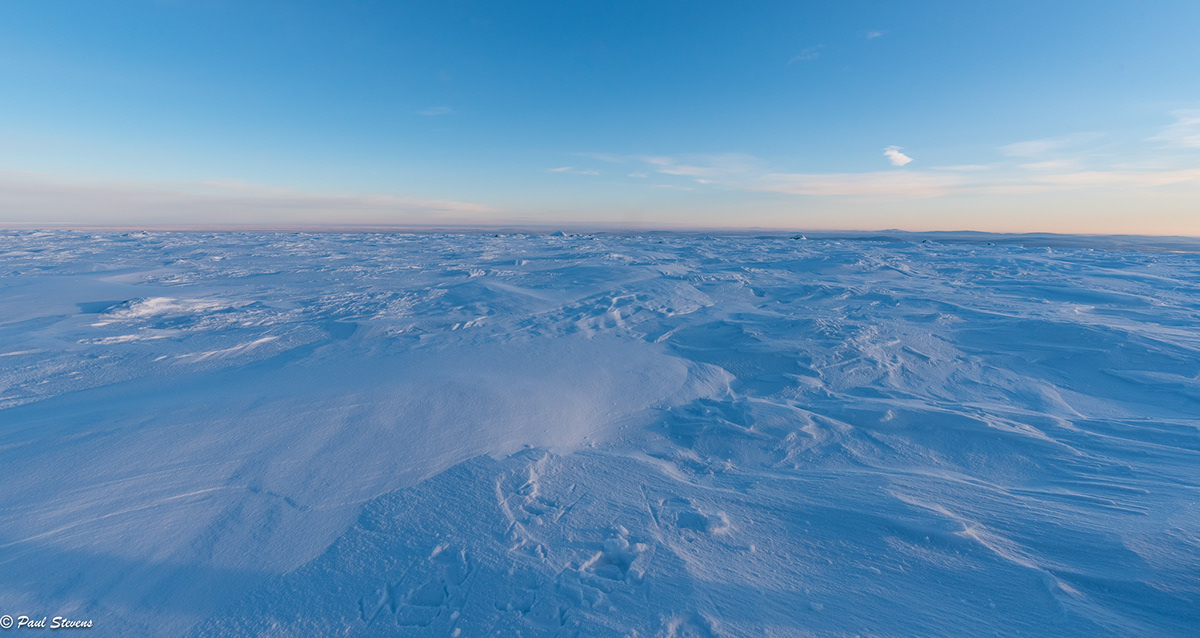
<point x="808" y="54"/>
<point x="704" y="166"/>
<point x="1134" y="179"/>
<point x="927" y="184"/>
<point x="31" y="197"/>
<point x="1042" y="147"/>
<point x="1185" y="132"/>
<point x="908" y="184"/>
<point x="605" y="157"/>
<point x="964" y="168"/>
<point x="1050" y="165"/>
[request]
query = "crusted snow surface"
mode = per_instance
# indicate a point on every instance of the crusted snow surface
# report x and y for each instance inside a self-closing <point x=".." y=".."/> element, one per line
<point x="288" y="434"/>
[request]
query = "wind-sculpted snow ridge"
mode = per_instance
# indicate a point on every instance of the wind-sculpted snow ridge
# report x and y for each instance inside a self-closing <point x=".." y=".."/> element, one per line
<point x="459" y="435"/>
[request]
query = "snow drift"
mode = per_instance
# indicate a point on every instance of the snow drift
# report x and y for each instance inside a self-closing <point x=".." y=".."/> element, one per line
<point x="316" y="434"/>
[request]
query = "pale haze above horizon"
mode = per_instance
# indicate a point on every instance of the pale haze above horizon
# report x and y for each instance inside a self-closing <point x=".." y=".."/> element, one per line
<point x="1067" y="117"/>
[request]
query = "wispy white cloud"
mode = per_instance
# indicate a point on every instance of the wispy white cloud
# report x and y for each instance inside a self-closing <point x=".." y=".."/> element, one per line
<point x="1185" y="131"/>
<point x="606" y="157"/>
<point x="1042" y="147"/>
<point x="436" y="110"/>
<point x="895" y="156"/>
<point x="704" y="166"/>
<point x="908" y="184"/>
<point x="712" y="167"/>
<point x="1032" y="148"/>
<point x="929" y="184"/>
<point x="1059" y="164"/>
<point x="871" y="35"/>
<point x="1051" y="165"/>
<point x="1126" y="179"/>
<point x="963" y="168"/>
<point x="807" y="54"/>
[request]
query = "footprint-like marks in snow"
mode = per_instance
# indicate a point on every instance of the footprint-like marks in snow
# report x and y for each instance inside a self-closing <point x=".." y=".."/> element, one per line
<point x="681" y="514"/>
<point x="616" y="559"/>
<point x="432" y="591"/>
<point x="690" y="626"/>
<point x="528" y="509"/>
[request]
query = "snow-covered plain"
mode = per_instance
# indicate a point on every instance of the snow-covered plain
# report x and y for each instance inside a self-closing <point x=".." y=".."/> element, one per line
<point x="243" y="434"/>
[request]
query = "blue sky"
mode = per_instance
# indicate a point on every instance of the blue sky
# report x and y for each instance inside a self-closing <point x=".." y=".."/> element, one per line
<point x="1009" y="116"/>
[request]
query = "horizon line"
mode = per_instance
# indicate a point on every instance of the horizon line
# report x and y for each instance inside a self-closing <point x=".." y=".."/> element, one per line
<point x="611" y="228"/>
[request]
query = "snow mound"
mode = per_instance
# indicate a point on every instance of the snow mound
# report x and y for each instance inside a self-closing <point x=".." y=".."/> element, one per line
<point x="318" y="434"/>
